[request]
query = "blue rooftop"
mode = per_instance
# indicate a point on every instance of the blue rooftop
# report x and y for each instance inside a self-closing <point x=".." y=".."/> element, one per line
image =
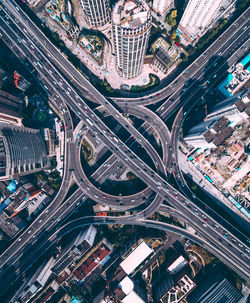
<point x="246" y="60"/>
<point x="222" y="86"/>
<point x="11" y="187"/>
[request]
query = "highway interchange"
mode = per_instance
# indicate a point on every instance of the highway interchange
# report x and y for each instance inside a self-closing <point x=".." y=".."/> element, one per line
<point x="26" y="39"/>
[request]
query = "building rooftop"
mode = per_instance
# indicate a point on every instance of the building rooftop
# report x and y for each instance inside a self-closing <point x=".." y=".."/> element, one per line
<point x="162" y="56"/>
<point x="177" y="265"/>
<point x="126" y="285"/>
<point x="10" y="105"/>
<point x="133" y="297"/>
<point x="92" y="261"/>
<point x="137" y="256"/>
<point x="223" y="135"/>
<point x="131" y="13"/>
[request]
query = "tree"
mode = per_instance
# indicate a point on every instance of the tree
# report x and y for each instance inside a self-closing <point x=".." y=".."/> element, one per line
<point x="241" y="4"/>
<point x="130" y="175"/>
<point x="178" y="39"/>
<point x="173" y="35"/>
<point x="184" y="58"/>
<point x="190" y="50"/>
<point x="53" y="162"/>
<point x="173" y="14"/>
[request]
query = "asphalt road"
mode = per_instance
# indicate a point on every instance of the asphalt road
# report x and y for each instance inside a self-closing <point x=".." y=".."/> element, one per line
<point x="49" y="56"/>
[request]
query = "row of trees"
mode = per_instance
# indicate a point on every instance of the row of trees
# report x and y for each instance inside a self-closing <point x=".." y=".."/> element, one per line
<point x="171" y="18"/>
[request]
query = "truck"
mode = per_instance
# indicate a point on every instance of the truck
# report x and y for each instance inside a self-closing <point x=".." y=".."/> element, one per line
<point x="90" y="122"/>
<point x="39" y="64"/>
<point x="116" y="139"/>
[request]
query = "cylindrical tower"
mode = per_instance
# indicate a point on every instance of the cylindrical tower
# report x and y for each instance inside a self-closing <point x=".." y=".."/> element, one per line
<point x="131" y="21"/>
<point x="96" y="12"/>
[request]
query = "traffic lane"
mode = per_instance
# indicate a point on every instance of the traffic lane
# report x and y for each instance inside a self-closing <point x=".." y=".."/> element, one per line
<point x="209" y="51"/>
<point x="49" y="219"/>
<point x="177" y="99"/>
<point x="176" y="127"/>
<point x="67" y="174"/>
<point x="119" y="117"/>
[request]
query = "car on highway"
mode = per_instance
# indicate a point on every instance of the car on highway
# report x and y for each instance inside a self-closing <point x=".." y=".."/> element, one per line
<point x="104" y="197"/>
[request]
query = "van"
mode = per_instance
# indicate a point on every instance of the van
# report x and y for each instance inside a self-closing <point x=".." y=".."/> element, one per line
<point x="132" y="200"/>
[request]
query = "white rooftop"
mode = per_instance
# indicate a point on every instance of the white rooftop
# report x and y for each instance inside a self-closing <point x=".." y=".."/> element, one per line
<point x="133" y="298"/>
<point x="126" y="285"/>
<point x="136" y="257"/>
<point x="177" y="265"/>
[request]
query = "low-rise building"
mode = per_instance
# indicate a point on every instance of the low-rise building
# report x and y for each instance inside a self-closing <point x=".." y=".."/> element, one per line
<point x="165" y="55"/>
<point x="73" y="252"/>
<point x="136" y="257"/>
<point x="235" y="80"/>
<point x="20" y="82"/>
<point x="38" y="280"/>
<point x="96" y="257"/>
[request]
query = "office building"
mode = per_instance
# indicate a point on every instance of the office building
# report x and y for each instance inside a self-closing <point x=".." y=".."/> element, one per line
<point x="96" y="12"/>
<point x="50" y="139"/>
<point x="200" y="15"/>
<point x="209" y="134"/>
<point x="220" y="291"/>
<point x="236" y="108"/>
<point x="218" y="124"/>
<point x="160" y="6"/>
<point x="22" y="151"/>
<point x="10" y="109"/>
<point x="131" y="22"/>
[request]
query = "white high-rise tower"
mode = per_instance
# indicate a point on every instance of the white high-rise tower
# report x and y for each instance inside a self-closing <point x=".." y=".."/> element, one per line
<point x="199" y="14"/>
<point x="96" y="12"/>
<point x="131" y="21"/>
<point x="160" y="6"/>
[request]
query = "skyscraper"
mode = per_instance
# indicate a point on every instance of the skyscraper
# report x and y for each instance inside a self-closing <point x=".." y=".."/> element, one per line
<point x="10" y="108"/>
<point x="131" y="21"/>
<point x="96" y="12"/>
<point x="199" y="15"/>
<point x="159" y="6"/>
<point x="22" y="151"/>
